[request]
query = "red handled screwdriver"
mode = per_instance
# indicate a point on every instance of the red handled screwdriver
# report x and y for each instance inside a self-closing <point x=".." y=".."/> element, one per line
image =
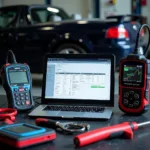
<point x="124" y="129"/>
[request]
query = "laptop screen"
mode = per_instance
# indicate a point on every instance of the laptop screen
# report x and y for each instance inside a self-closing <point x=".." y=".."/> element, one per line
<point x="78" y="78"/>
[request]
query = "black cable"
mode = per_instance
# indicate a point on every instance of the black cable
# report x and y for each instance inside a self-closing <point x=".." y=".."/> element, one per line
<point x="11" y="56"/>
<point x="37" y="102"/>
<point x="138" y="38"/>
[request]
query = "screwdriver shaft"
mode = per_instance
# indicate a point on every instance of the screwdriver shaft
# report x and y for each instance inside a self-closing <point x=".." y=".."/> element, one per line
<point x="143" y="123"/>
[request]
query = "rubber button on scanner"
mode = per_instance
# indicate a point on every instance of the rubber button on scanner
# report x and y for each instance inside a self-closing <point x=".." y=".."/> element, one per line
<point x="126" y="95"/>
<point x="125" y="101"/>
<point x="21" y="90"/>
<point x="131" y="92"/>
<point x="23" y="103"/>
<point x="21" y="94"/>
<point x="136" y="103"/>
<point x="136" y="96"/>
<point x="130" y="105"/>
<point x="15" y="89"/>
<point x="16" y="94"/>
<point x="27" y="103"/>
<point x="18" y="103"/>
<point x="22" y="98"/>
<point x="17" y="98"/>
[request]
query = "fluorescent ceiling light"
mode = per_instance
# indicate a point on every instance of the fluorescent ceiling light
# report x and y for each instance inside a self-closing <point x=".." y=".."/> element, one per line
<point x="82" y="22"/>
<point x="53" y="9"/>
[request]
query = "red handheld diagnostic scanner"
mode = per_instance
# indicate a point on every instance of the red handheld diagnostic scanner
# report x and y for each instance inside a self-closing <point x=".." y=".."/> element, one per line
<point x="134" y="84"/>
<point x="126" y="129"/>
<point x="134" y="79"/>
<point x="23" y="135"/>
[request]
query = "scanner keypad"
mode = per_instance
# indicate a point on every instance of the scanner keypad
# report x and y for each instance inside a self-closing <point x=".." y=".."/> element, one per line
<point x="131" y="98"/>
<point x="22" y="96"/>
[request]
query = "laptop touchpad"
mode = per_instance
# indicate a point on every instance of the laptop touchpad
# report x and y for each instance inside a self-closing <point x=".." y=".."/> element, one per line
<point x="71" y="114"/>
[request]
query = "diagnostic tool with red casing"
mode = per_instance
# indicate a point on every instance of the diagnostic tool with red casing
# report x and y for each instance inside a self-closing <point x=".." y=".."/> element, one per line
<point x="134" y="81"/>
<point x="23" y="135"/>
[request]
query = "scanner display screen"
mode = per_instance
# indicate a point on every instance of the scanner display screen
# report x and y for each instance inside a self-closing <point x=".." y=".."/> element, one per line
<point x="18" y="77"/>
<point x="132" y="73"/>
<point x="20" y="129"/>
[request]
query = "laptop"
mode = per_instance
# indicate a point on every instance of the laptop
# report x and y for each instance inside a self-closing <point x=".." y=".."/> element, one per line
<point x="77" y="86"/>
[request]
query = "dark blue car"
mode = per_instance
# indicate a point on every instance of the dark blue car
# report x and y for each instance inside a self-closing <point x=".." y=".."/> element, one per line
<point x="31" y="31"/>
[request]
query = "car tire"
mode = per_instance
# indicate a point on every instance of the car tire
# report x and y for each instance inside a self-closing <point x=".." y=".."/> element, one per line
<point x="69" y="49"/>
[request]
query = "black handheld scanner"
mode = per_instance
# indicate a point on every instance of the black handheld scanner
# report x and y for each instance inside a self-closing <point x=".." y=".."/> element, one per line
<point x="17" y="82"/>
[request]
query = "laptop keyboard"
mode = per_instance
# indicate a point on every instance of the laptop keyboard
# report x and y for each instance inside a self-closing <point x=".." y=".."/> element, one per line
<point x="75" y="108"/>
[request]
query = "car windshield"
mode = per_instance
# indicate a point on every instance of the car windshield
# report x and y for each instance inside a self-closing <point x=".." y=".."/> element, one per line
<point x="48" y="14"/>
<point x="8" y="18"/>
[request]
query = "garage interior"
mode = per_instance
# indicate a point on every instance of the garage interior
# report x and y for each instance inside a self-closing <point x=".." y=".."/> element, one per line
<point x="87" y="9"/>
<point x="130" y="14"/>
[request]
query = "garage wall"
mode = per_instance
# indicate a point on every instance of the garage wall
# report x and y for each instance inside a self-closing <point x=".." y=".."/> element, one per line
<point x="146" y="11"/>
<point x="90" y="8"/>
<point x="73" y="6"/>
<point x="14" y="2"/>
<point x="1" y="3"/>
<point x="121" y="7"/>
<point x="83" y="7"/>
